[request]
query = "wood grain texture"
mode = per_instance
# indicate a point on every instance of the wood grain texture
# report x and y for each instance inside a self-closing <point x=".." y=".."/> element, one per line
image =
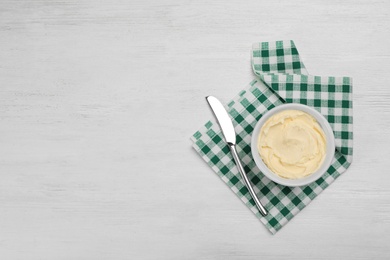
<point x="97" y="103"/>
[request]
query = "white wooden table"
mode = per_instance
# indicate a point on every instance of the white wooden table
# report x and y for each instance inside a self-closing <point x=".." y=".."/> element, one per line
<point x="97" y="103"/>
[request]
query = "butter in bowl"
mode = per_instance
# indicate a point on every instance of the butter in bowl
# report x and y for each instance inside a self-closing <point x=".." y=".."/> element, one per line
<point x="293" y="144"/>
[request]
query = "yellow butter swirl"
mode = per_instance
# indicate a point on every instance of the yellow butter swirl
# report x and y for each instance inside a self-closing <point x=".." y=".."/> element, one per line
<point x="292" y="144"/>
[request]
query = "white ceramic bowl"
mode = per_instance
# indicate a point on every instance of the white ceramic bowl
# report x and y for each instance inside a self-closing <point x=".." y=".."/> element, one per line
<point x="330" y="146"/>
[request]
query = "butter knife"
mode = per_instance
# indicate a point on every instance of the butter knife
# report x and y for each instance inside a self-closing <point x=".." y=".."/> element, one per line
<point x="228" y="132"/>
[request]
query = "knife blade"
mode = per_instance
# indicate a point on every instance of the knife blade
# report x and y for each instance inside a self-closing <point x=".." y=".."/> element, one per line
<point x="229" y="134"/>
<point x="223" y="119"/>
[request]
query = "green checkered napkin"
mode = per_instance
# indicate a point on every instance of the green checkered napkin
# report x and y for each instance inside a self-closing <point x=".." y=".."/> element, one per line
<point x="282" y="78"/>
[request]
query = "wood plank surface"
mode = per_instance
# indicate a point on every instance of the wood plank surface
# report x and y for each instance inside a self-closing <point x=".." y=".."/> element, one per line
<point x="97" y="103"/>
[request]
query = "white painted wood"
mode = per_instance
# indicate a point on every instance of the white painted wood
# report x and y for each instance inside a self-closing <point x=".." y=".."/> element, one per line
<point x="97" y="103"/>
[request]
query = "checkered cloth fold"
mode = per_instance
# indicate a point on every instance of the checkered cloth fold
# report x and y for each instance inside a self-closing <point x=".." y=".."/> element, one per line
<point x="282" y="78"/>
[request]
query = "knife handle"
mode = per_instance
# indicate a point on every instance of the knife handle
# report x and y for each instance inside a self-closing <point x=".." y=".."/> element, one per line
<point x="261" y="208"/>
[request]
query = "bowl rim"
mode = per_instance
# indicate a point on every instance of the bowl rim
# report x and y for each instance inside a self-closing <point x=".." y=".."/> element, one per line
<point x="330" y="149"/>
